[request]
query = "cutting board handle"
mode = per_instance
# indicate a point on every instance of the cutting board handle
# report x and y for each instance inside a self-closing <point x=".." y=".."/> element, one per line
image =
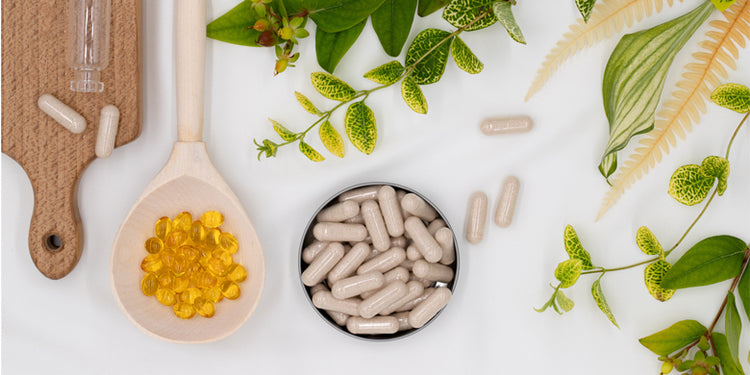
<point x="190" y="54"/>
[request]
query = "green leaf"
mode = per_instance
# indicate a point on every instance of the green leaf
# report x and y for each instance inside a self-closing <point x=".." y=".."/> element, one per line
<point x="718" y="167"/>
<point x="460" y="13"/>
<point x="427" y="7"/>
<point x="689" y="185"/>
<point x="563" y="301"/>
<point x="386" y="74"/>
<point x="585" y="7"/>
<point x="331" y="139"/>
<point x="729" y="365"/>
<point x="235" y="26"/>
<point x="601" y="301"/>
<point x="575" y="249"/>
<point x="722" y="5"/>
<point x="733" y="326"/>
<point x="331" y="47"/>
<point x="608" y="166"/>
<point x="647" y="242"/>
<point x="283" y="132"/>
<point x="431" y="66"/>
<point x="464" y="58"/>
<point x="310" y="152"/>
<point x="568" y="272"/>
<point x="392" y="23"/>
<point x="635" y="74"/>
<point x="307" y="104"/>
<point x="413" y="95"/>
<point x="504" y="14"/>
<point x="732" y="95"/>
<point x="710" y="261"/>
<point x="653" y="276"/>
<point x="332" y="87"/>
<point x="743" y="289"/>
<point x="676" y="337"/>
<point x="337" y="15"/>
<point x="360" y="127"/>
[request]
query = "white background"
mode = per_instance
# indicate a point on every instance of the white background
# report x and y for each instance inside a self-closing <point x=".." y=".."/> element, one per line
<point x="74" y="325"/>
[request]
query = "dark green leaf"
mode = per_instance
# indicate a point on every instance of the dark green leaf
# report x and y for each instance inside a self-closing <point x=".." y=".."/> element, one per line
<point x="386" y="74"/>
<point x="504" y="14"/>
<point x="465" y="58"/>
<point x="413" y="96"/>
<point x="332" y="87"/>
<point x="733" y="96"/>
<point x="729" y="365"/>
<point x="635" y="74"/>
<point x="733" y="326"/>
<point x="431" y="66"/>
<point x="722" y="5"/>
<point x="427" y="7"/>
<point x="338" y="15"/>
<point x="460" y="13"/>
<point x="601" y="301"/>
<point x="710" y="261"/>
<point x="743" y="288"/>
<point x="331" y="47"/>
<point x="361" y="127"/>
<point x="392" y="23"/>
<point x="676" y="337"/>
<point x="585" y="7"/>
<point x="235" y="26"/>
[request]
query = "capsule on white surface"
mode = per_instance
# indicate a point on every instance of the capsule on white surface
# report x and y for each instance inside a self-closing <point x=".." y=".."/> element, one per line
<point x="412" y="253"/>
<point x="506" y="205"/>
<point x="432" y="271"/>
<point x="311" y="251"/>
<point x="376" y="225"/>
<point x="382" y="299"/>
<point x="349" y="263"/>
<point x="383" y="262"/>
<point x="380" y="325"/>
<point x="109" y="120"/>
<point x="361" y="194"/>
<point x="425" y="243"/>
<point x="416" y="206"/>
<point x="403" y="321"/>
<point x="444" y="238"/>
<point x="398" y="273"/>
<point x="415" y="290"/>
<point x="64" y="115"/>
<point x="326" y="301"/>
<point x="423" y="312"/>
<point x="356" y="285"/>
<point x="339" y="212"/>
<point x="398" y="242"/>
<point x="339" y="232"/>
<point x="506" y="125"/>
<point x="416" y="301"/>
<point x="391" y="210"/>
<point x="476" y="217"/>
<point x="323" y="263"/>
<point x="435" y="225"/>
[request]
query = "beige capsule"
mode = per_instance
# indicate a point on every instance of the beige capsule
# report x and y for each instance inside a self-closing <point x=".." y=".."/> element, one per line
<point x="382" y="299"/>
<point x="357" y="219"/>
<point x="361" y="194"/>
<point x="476" y="217"/>
<point x="432" y="271"/>
<point x="384" y="262"/>
<point x="391" y="210"/>
<point x="400" y="194"/>
<point x="506" y="205"/>
<point x="338" y="317"/>
<point x="326" y="301"/>
<point x="376" y="225"/>
<point x="398" y="273"/>
<point x="416" y="206"/>
<point x="398" y="242"/>
<point x="416" y="301"/>
<point x="426" y="283"/>
<point x="339" y="232"/>
<point x="415" y="290"/>
<point x="323" y="263"/>
<point x="311" y="251"/>
<point x="412" y="253"/>
<point x="373" y="254"/>
<point x="506" y="125"/>
<point x="408" y="264"/>
<point x="381" y="325"/>
<point x="317" y="288"/>
<point x="356" y="285"/>
<point x="403" y="321"/>
<point x="425" y="243"/>
<point x="435" y="225"/>
<point x="444" y="237"/>
<point x="109" y="120"/>
<point x="339" y="212"/>
<point x="423" y="312"/>
<point x="348" y="265"/>
<point x="64" y="115"/>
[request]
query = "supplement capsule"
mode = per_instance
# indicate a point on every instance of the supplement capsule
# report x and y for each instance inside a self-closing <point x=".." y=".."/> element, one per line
<point x="376" y="225"/>
<point x="149" y="284"/>
<point x="339" y="212"/>
<point x="197" y="232"/>
<point x="400" y="194"/>
<point x="426" y="283"/>
<point x="154" y="245"/>
<point x="162" y="228"/>
<point x="506" y="205"/>
<point x="425" y="243"/>
<point x="444" y="238"/>
<point x="360" y="195"/>
<point x="349" y="263"/>
<point x="356" y="285"/>
<point x="152" y="263"/>
<point x="64" y="115"/>
<point x="383" y="262"/>
<point x="339" y="232"/>
<point x="476" y="217"/>
<point x="109" y="119"/>
<point x="166" y="296"/>
<point x="358" y="219"/>
<point x="382" y="299"/>
<point x="412" y="253"/>
<point x="236" y="273"/>
<point x="184" y="310"/>
<point x="228" y="242"/>
<point x="183" y="221"/>
<point x="380" y="325"/>
<point x="204" y="307"/>
<point x="398" y="273"/>
<point x="317" y="288"/>
<point x="212" y="219"/>
<point x="399" y="242"/>
<point x="326" y="301"/>
<point x="410" y="305"/>
<point x="435" y="225"/>
<point x="230" y="289"/>
<point x="415" y="290"/>
<point x="323" y="263"/>
<point x="310" y="252"/>
<point x="428" y="308"/>
<point x="403" y="321"/>
<point x="391" y="210"/>
<point x="408" y="264"/>
<point x="416" y="206"/>
<point x="190" y="295"/>
<point x="432" y="271"/>
<point x="506" y="125"/>
<point x="338" y="317"/>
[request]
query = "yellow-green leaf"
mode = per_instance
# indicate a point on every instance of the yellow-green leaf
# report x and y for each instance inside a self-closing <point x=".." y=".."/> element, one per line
<point x="712" y="260"/>
<point x="283" y="132"/>
<point x="568" y="272"/>
<point x="601" y="302"/>
<point x="563" y="301"/>
<point x="718" y="167"/>
<point x="307" y="104"/>
<point x="653" y="275"/>
<point x="465" y="58"/>
<point x="574" y="248"/>
<point x="332" y="87"/>
<point x="504" y="14"/>
<point x="676" y="337"/>
<point x="331" y="139"/>
<point x="732" y="96"/>
<point x="647" y="242"/>
<point x="429" y="55"/>
<point x="310" y="152"/>
<point x="722" y="5"/>
<point x="460" y="13"/>
<point x="386" y="74"/>
<point x="729" y="365"/>
<point x="689" y="185"/>
<point x="585" y="7"/>
<point x="413" y="95"/>
<point x="360" y="126"/>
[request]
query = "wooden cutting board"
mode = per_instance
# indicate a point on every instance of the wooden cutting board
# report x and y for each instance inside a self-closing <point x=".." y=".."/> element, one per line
<point x="34" y="39"/>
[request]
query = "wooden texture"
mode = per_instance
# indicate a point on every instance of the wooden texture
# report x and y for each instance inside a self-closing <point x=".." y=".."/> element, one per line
<point x="34" y="38"/>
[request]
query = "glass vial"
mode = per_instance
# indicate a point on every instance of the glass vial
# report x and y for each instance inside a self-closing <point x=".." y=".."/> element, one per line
<point x="88" y="43"/>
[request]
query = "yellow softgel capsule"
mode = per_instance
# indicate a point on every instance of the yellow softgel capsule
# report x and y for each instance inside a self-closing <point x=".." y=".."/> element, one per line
<point x="213" y="294"/>
<point x="166" y="280"/>
<point x="223" y="255"/>
<point x="180" y="284"/>
<point x="167" y="297"/>
<point x="162" y="228"/>
<point x="184" y="310"/>
<point x="230" y="289"/>
<point x="204" y="307"/>
<point x="217" y="267"/>
<point x="154" y="245"/>
<point x="203" y="279"/>
<point x="228" y="243"/>
<point x="176" y="238"/>
<point x="152" y="263"/>
<point x="189" y="252"/>
<point x="183" y="221"/>
<point x="190" y="294"/>
<point x="212" y="238"/>
<point x="236" y="273"/>
<point x="212" y="219"/>
<point x="193" y="269"/>
<point x="180" y="265"/>
<point x="149" y="284"/>
<point x="168" y="257"/>
<point x="197" y="232"/>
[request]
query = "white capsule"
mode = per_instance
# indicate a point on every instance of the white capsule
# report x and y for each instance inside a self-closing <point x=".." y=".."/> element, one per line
<point x="109" y="120"/>
<point x="444" y="237"/>
<point x="506" y="125"/>
<point x="435" y="225"/>
<point x="391" y="210"/>
<point x="416" y="206"/>
<point x="311" y="251"/>
<point x="383" y="262"/>
<point x="506" y="205"/>
<point x="349" y="263"/>
<point x="382" y="299"/>
<point x="64" y="115"/>
<point x="398" y="273"/>
<point x="326" y="301"/>
<point x="398" y="242"/>
<point x="403" y="321"/>
<point x="381" y="325"/>
<point x="432" y="271"/>
<point x="361" y="194"/>
<point x="339" y="232"/>
<point x="423" y="312"/>
<point x="415" y="290"/>
<point x="476" y="217"/>
<point x="339" y="212"/>
<point x="356" y="285"/>
<point x="376" y="225"/>
<point x="416" y="301"/>
<point x="426" y="244"/>
<point x="323" y="263"/>
<point x="412" y="253"/>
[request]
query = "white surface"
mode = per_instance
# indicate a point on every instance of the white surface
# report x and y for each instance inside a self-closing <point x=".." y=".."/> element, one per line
<point x="74" y="326"/>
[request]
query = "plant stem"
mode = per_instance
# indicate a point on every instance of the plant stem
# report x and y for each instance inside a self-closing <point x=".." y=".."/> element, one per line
<point x="731" y="289"/>
<point x="731" y="140"/>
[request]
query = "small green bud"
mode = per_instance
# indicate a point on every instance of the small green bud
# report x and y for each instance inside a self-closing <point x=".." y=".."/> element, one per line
<point x="699" y="357"/>
<point x="281" y="66"/>
<point x="286" y="33"/>
<point x="261" y="24"/>
<point x="666" y="368"/>
<point x="703" y="343"/>
<point x="294" y="57"/>
<point x="567" y="272"/>
<point x="699" y="371"/>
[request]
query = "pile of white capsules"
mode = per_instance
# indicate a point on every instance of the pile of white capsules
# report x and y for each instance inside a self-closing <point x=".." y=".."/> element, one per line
<point x="381" y="261"/>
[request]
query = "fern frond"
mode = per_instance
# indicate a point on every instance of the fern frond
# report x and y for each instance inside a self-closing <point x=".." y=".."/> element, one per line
<point x="607" y="18"/>
<point x="719" y="50"/>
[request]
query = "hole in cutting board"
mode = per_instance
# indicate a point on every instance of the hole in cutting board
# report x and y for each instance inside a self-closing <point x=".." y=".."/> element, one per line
<point x="53" y="242"/>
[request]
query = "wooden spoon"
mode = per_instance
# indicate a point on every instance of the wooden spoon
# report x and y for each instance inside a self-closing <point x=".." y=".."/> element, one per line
<point x="189" y="182"/>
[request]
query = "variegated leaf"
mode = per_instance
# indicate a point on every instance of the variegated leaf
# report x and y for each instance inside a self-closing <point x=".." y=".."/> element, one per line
<point x="413" y="96"/>
<point x="574" y="248"/>
<point x="361" y="128"/>
<point x="331" y="139"/>
<point x="504" y="14"/>
<point x="601" y="301"/>
<point x="465" y="59"/>
<point x="653" y="275"/>
<point x="332" y="87"/>
<point x="307" y="104"/>
<point x="283" y="132"/>
<point x="310" y="152"/>
<point x="647" y="242"/>
<point x="568" y="272"/>
<point x="386" y="74"/>
<point x="460" y="13"/>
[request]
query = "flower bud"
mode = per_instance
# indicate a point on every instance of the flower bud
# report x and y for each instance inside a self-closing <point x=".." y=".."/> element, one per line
<point x="281" y="66"/>
<point x="267" y="39"/>
<point x="286" y="33"/>
<point x="666" y="368"/>
<point x="261" y="24"/>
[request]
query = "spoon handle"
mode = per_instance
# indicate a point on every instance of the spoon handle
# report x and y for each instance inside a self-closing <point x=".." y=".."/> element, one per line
<point x="190" y="56"/>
